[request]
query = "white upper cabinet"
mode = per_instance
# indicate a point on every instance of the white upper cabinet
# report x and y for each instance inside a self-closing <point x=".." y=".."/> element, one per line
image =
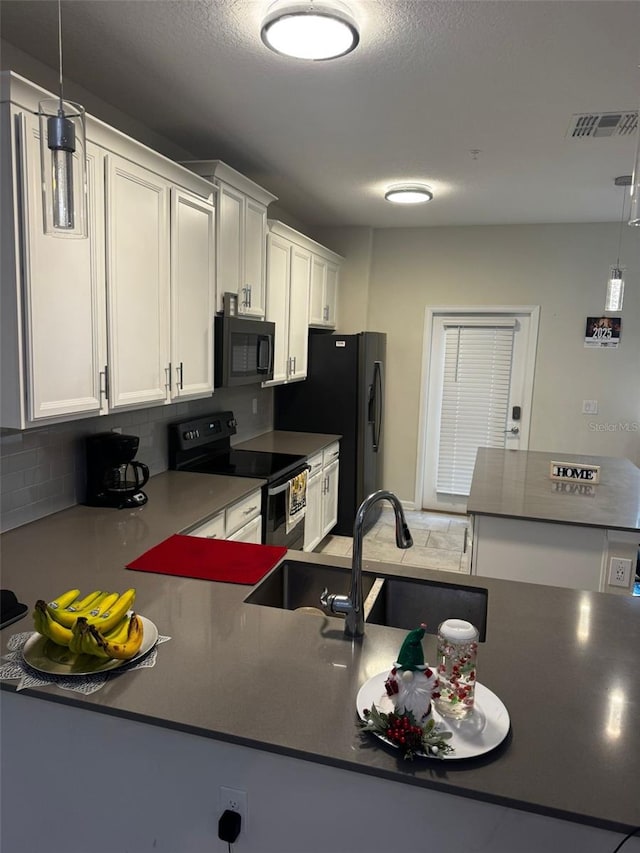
<point x="241" y="236"/>
<point x="278" y="275"/>
<point x="92" y="325"/>
<point x="252" y="293"/>
<point x="230" y="242"/>
<point x="137" y="284"/>
<point x="299" y="311"/>
<point x="324" y="289"/>
<point x="288" y="281"/>
<point x="192" y="295"/>
<point x="52" y="291"/>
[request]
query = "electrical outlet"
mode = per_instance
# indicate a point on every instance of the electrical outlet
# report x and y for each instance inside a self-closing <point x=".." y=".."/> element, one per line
<point x="235" y="801"/>
<point x="619" y="572"/>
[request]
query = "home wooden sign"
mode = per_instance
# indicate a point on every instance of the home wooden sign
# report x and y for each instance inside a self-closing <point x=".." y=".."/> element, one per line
<point x="574" y="472"/>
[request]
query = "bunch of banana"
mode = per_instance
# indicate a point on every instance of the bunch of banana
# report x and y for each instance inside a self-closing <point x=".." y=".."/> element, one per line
<point x="104" y="609"/>
<point x="98" y="624"/>
<point x="121" y="643"/>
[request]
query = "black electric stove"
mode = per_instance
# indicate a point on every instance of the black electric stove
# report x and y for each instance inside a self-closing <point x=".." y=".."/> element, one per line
<point x="246" y="463"/>
<point x="203" y="446"/>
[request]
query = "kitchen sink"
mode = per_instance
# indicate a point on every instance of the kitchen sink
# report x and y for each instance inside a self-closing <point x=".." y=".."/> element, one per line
<point x="296" y="584"/>
<point x="405" y="603"/>
<point x="392" y="601"/>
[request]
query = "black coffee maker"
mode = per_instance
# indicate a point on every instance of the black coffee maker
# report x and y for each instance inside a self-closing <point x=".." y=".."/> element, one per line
<point x="113" y="478"/>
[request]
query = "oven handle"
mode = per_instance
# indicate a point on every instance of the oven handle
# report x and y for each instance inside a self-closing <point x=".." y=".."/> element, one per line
<point x="279" y="489"/>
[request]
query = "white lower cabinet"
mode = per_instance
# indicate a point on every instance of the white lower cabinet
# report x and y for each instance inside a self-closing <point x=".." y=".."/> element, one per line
<point x="322" y="495"/>
<point x="251" y="532"/>
<point x="330" y="497"/>
<point x="241" y="521"/>
<point x="212" y="529"/>
<point x="313" y="515"/>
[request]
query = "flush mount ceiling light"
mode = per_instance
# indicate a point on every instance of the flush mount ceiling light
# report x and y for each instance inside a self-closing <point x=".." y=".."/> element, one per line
<point x="310" y="30"/>
<point x="408" y="194"/>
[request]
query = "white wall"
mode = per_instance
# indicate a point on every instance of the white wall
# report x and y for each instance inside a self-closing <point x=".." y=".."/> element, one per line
<point x="562" y="268"/>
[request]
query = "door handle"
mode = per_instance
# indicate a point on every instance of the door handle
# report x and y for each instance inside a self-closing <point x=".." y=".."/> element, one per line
<point x="514" y="430"/>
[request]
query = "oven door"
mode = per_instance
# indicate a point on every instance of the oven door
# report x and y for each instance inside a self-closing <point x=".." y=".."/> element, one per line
<point x="275" y="511"/>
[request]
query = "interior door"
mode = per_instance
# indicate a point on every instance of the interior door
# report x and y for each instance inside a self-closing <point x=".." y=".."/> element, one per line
<point x="477" y="392"/>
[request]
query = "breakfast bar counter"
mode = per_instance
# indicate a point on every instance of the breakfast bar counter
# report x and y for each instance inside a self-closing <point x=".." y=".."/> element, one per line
<point x="527" y="526"/>
<point x="263" y="700"/>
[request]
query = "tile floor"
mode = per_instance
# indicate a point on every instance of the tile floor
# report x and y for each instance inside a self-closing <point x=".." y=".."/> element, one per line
<point x="438" y="541"/>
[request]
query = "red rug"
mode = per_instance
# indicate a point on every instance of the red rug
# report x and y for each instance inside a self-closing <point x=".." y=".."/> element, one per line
<point x="209" y="559"/>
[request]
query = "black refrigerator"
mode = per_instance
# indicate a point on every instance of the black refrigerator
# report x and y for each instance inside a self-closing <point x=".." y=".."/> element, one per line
<point x="343" y="394"/>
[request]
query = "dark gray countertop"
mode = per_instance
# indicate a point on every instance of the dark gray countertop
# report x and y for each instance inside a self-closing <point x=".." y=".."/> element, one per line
<point x="563" y="662"/>
<point x="284" y="441"/>
<point x="516" y="484"/>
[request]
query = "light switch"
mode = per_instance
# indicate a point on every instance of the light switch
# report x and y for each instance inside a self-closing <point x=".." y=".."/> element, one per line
<point x="589" y="407"/>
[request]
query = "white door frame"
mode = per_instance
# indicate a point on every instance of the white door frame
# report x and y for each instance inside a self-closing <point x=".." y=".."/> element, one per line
<point x="533" y="311"/>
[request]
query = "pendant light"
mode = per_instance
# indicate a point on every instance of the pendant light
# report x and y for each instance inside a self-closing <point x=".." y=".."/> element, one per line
<point x="408" y="194"/>
<point x="615" y="284"/>
<point x="310" y="30"/>
<point x="63" y="161"/>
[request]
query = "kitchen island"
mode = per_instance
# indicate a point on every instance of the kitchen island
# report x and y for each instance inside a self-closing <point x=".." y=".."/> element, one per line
<point x="263" y="700"/>
<point x="526" y="526"/>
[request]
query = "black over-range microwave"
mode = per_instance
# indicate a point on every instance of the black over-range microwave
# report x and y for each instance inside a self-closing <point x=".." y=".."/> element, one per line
<point x="243" y="351"/>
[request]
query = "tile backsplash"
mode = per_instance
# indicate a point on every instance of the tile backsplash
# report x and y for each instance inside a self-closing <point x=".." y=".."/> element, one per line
<point x="42" y="470"/>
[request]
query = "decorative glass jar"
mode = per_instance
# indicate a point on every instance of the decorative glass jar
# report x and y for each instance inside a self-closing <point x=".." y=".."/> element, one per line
<point x="457" y="657"/>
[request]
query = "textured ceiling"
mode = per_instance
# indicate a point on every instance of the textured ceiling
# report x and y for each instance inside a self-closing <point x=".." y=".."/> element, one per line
<point x="429" y="82"/>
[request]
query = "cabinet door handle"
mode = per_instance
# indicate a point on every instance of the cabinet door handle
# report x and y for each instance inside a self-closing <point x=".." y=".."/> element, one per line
<point x="249" y="289"/>
<point x="104" y="391"/>
<point x="180" y="381"/>
<point x="325" y="313"/>
<point x="167" y="375"/>
<point x="251" y="509"/>
<point x="294" y="364"/>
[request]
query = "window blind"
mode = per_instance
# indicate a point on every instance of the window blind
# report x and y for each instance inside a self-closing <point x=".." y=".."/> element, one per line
<point x="475" y="400"/>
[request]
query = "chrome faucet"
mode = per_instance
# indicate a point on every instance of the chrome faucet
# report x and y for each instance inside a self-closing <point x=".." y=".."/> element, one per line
<point x="352" y="606"/>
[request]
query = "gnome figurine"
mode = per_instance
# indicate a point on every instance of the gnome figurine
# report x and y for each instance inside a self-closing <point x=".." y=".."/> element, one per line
<point x="411" y="684"/>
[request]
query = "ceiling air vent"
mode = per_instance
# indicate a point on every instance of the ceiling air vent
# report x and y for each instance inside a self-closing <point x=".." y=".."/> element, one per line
<point x="594" y="125"/>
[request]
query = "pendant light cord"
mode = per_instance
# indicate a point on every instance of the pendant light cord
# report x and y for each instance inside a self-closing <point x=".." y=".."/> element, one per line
<point x="60" y="51"/>
<point x="624" y="194"/>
